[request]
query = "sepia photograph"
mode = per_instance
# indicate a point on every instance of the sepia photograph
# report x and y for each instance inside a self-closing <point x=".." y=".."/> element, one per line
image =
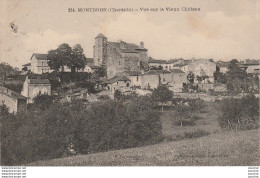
<point x="129" y="83"/>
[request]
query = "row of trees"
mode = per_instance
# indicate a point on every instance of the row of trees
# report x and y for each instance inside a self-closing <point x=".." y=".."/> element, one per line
<point x="52" y="130"/>
<point x="64" y="55"/>
<point x="237" y="79"/>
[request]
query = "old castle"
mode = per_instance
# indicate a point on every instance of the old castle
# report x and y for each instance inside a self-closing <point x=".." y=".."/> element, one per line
<point x="119" y="58"/>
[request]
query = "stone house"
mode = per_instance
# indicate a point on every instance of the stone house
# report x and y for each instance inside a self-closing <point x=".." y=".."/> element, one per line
<point x="251" y="66"/>
<point x="153" y="78"/>
<point x="119" y="58"/>
<point x="201" y="67"/>
<point x="35" y="86"/>
<point x="39" y="63"/>
<point x="14" y="101"/>
<point x="178" y="79"/>
<point x="120" y="83"/>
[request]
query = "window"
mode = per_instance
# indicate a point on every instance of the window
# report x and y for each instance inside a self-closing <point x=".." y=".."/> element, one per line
<point x="44" y="91"/>
<point x="35" y="92"/>
<point x="117" y="83"/>
<point x="137" y="78"/>
<point x="127" y="84"/>
<point x="164" y="79"/>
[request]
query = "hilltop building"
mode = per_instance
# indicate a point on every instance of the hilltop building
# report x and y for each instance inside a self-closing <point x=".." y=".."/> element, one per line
<point x="119" y="58"/>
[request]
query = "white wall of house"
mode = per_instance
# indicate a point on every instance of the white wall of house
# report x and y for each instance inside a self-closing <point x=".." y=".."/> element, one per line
<point x="39" y="66"/>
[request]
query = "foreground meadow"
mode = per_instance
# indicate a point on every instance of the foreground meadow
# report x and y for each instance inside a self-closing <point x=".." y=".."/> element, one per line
<point x="216" y="148"/>
<point x="227" y="148"/>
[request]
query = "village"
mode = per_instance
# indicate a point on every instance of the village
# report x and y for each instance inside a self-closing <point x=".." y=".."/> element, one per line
<point x="66" y="109"/>
<point x="126" y="67"/>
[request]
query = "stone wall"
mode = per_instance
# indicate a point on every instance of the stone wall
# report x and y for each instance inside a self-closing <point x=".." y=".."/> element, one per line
<point x="10" y="102"/>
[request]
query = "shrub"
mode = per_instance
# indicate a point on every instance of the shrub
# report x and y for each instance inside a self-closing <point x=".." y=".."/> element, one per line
<point x="240" y="114"/>
<point x="48" y="133"/>
<point x="196" y="134"/>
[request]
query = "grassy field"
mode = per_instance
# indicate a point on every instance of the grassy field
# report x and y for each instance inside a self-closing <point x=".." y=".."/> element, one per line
<point x="220" y="148"/>
<point x="227" y="148"/>
<point x="207" y="122"/>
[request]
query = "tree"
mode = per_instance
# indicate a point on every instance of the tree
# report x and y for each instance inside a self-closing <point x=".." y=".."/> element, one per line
<point x="162" y="94"/>
<point x="60" y="57"/>
<point x="43" y="102"/>
<point x="182" y="115"/>
<point x="3" y="110"/>
<point x="78" y="60"/>
<point x="220" y="77"/>
<point x="117" y="94"/>
<point x="240" y="114"/>
<point x="54" y="61"/>
<point x="235" y="76"/>
<point x="190" y="77"/>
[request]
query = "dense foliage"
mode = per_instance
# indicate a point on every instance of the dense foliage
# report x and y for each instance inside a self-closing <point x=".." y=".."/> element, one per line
<point x="62" y="130"/>
<point x="64" y="55"/>
<point x="240" y="114"/>
<point x="162" y="94"/>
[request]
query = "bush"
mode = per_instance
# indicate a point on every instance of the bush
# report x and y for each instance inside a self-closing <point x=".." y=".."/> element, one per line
<point x="240" y="114"/>
<point x="49" y="133"/>
<point x="196" y="134"/>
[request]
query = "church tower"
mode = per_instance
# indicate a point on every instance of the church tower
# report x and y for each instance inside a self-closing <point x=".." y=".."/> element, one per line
<point x="100" y="50"/>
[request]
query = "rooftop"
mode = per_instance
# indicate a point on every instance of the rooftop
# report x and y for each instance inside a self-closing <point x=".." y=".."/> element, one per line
<point x="89" y="60"/>
<point x="176" y="71"/>
<point x="11" y="93"/>
<point x="127" y="47"/>
<point x="40" y="56"/>
<point x="155" y="72"/>
<point x="38" y="80"/>
<point x="116" y="79"/>
<point x="100" y="35"/>
<point x="28" y="64"/>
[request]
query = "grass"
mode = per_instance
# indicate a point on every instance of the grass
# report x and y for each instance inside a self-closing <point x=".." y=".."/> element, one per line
<point x="227" y="148"/>
<point x="181" y="147"/>
<point x="206" y="121"/>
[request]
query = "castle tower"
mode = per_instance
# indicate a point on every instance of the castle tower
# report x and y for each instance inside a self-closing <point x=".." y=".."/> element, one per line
<point x="100" y="50"/>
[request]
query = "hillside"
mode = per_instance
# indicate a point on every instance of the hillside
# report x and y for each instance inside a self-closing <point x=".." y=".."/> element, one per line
<point x="228" y="148"/>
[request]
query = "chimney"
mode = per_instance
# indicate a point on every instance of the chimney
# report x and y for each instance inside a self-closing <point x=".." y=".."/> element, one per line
<point x="142" y="45"/>
<point x="122" y="45"/>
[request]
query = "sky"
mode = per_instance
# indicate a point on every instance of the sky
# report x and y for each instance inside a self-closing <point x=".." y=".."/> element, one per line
<point x="221" y="30"/>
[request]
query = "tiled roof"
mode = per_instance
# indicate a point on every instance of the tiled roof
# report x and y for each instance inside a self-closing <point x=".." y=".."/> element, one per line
<point x="128" y="47"/>
<point x="179" y="65"/>
<point x="89" y="60"/>
<point x="223" y="64"/>
<point x="40" y="56"/>
<point x="116" y="79"/>
<point x="39" y="81"/>
<point x="176" y="71"/>
<point x="134" y="73"/>
<point x="11" y="93"/>
<point x="100" y="35"/>
<point x="28" y="64"/>
<point x="171" y="61"/>
<point x="94" y="67"/>
<point x="151" y="60"/>
<point x="155" y="72"/>
<point x="251" y="62"/>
